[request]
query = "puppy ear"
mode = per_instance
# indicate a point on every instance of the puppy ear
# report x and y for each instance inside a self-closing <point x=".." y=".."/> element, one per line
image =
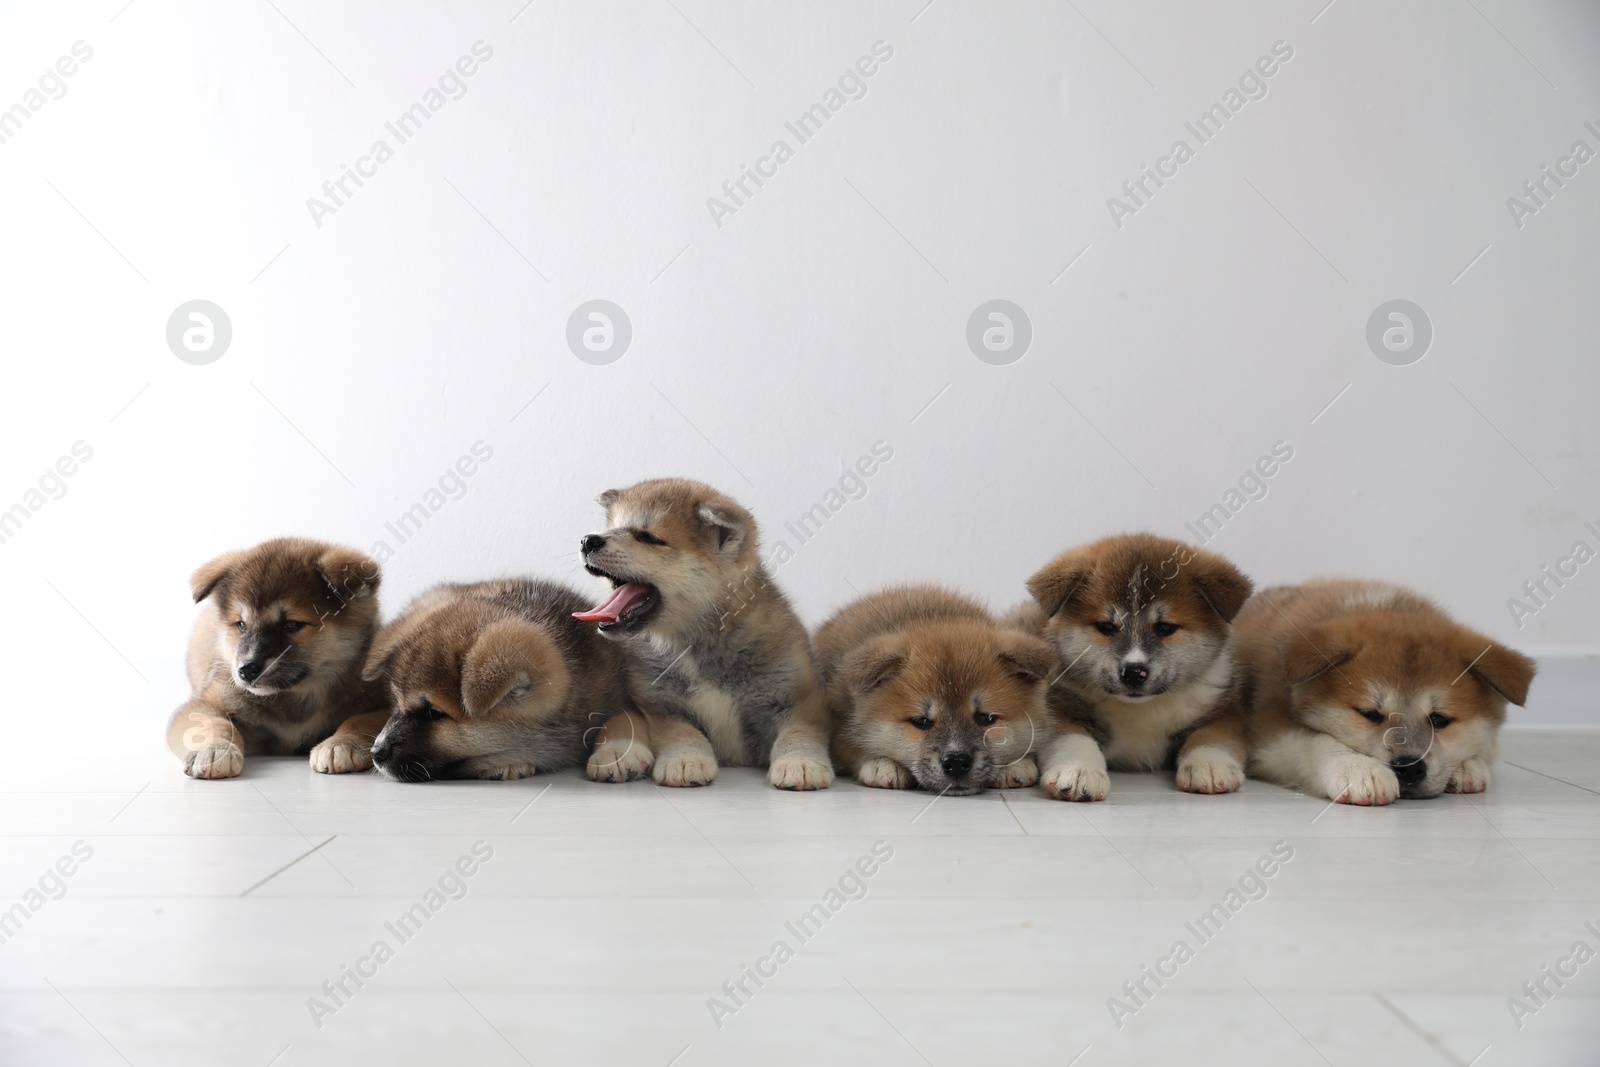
<point x="381" y="653"/>
<point x="204" y="580"/>
<point x="511" y="658"/>
<point x="1220" y="584"/>
<point x="873" y="664"/>
<point x="1030" y="659"/>
<point x="1060" y="581"/>
<point x="1316" y="652"/>
<point x="349" y="574"/>
<point x="728" y="526"/>
<point x="609" y="497"/>
<point x="1504" y="670"/>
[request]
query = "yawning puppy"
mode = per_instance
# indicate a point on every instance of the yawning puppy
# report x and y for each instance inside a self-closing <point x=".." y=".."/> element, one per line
<point x="1362" y="692"/>
<point x="494" y="680"/>
<point x="926" y="690"/>
<point x="719" y="661"/>
<point x="275" y="663"/>
<point x="1141" y="624"/>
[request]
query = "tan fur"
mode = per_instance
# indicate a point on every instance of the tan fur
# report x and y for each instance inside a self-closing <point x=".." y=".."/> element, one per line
<point x="310" y="697"/>
<point x="1318" y="658"/>
<point x="1188" y="718"/>
<point x="917" y="675"/>
<point x="720" y="651"/>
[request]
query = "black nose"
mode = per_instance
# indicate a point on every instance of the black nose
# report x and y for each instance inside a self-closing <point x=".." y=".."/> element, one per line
<point x="1134" y="674"/>
<point x="250" y="671"/>
<point x="956" y="764"/>
<point x="1409" y="769"/>
<point x="382" y="751"/>
<point x="592" y="543"/>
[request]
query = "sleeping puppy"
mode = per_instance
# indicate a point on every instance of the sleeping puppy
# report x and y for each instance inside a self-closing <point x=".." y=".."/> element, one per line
<point x="1141" y="624"/>
<point x="1363" y="692"/>
<point x="718" y="660"/>
<point x="927" y="691"/>
<point x="275" y="662"/>
<point x="495" y="680"/>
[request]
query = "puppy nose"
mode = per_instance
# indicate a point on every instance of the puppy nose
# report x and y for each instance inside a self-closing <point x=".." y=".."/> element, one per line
<point x="382" y="751"/>
<point x="956" y="764"/>
<point x="250" y="671"/>
<point x="1134" y="674"/>
<point x="1409" y="769"/>
<point x="591" y="543"/>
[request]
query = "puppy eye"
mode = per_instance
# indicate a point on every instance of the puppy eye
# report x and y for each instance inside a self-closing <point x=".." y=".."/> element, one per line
<point x="1371" y="715"/>
<point x="240" y="625"/>
<point x="434" y="714"/>
<point x="1165" y="629"/>
<point x="984" y="718"/>
<point x="647" y="537"/>
<point x="1108" y="628"/>
<point x="1439" y="722"/>
<point x="921" y="722"/>
<point x="293" y="626"/>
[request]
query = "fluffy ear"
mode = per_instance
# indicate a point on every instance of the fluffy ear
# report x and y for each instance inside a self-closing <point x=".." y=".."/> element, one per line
<point x="1220" y="583"/>
<point x="730" y="528"/>
<point x="1316" y="652"/>
<point x="349" y="574"/>
<point x="609" y="497"/>
<point x="381" y="653"/>
<point x="873" y="664"/>
<point x="1504" y="670"/>
<point x="1031" y="659"/>
<point x="511" y="659"/>
<point x="1060" y="581"/>
<point x="204" y="580"/>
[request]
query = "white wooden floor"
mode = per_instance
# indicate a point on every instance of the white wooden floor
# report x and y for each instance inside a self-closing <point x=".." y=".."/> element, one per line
<point x="209" y="915"/>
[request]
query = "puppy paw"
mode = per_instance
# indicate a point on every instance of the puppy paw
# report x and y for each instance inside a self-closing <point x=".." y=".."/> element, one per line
<point x="884" y="774"/>
<point x="685" y="769"/>
<point x="1024" y="772"/>
<point x="1360" y="780"/>
<point x="620" y="761"/>
<point x="1471" y="777"/>
<point x="224" y="760"/>
<point x="1074" y="781"/>
<point x="339" y="756"/>
<point x="508" y="772"/>
<point x="1210" y="771"/>
<point x="798" y="772"/>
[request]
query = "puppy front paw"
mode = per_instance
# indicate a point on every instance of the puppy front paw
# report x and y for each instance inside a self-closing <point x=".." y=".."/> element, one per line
<point x="224" y="760"/>
<point x="1361" y="780"/>
<point x="1471" y="777"/>
<point x="336" y="755"/>
<point x="1210" y="771"/>
<point x="620" y="761"/>
<point x="798" y="772"/>
<point x="1024" y="772"/>
<point x="884" y="774"/>
<point x="685" y="769"/>
<point x="1074" y="781"/>
<point x="508" y="772"/>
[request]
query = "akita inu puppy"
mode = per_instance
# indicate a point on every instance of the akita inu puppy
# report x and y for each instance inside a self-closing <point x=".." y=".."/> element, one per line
<point x="275" y="663"/>
<point x="927" y="690"/>
<point x="1363" y="692"/>
<point x="719" y="661"/>
<point x="495" y="680"/>
<point x="1141" y="624"/>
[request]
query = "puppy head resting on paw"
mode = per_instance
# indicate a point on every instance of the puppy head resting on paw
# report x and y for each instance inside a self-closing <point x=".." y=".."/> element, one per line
<point x="680" y="557"/>
<point x="467" y="677"/>
<point x="294" y="615"/>
<point x="955" y="702"/>
<point x="1401" y="682"/>
<point x="1137" y="616"/>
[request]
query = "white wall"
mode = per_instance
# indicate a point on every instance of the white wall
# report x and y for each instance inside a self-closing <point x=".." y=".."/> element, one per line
<point x="821" y="317"/>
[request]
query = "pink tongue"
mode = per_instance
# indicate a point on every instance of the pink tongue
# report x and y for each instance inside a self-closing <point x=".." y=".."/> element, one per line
<point x="615" y="605"/>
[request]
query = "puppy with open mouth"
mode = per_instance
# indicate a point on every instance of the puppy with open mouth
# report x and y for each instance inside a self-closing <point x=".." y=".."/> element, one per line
<point x="927" y="691"/>
<point x="275" y="663"/>
<point x="497" y="680"/>
<point x="718" y="661"/>
<point x="1142" y="626"/>
<point x="1364" y="692"/>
